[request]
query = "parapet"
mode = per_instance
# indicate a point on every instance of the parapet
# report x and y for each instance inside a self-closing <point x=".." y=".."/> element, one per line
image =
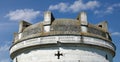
<point x="53" y="27"/>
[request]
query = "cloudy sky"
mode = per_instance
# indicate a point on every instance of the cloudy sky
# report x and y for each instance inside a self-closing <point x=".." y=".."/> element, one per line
<point x="12" y="11"/>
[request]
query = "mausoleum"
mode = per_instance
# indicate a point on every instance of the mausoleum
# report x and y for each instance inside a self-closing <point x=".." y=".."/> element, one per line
<point x="62" y="40"/>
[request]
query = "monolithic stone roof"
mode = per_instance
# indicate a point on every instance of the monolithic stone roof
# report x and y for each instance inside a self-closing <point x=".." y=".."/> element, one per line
<point x="53" y="27"/>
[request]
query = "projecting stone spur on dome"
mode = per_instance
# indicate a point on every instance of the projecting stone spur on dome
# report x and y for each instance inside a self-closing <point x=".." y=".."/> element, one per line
<point x="71" y="40"/>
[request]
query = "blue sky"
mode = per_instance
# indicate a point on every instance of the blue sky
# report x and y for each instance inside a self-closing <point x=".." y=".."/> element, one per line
<point x="12" y="11"/>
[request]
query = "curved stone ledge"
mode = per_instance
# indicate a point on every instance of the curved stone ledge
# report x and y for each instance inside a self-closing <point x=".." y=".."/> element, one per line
<point x="62" y="39"/>
<point x="59" y="33"/>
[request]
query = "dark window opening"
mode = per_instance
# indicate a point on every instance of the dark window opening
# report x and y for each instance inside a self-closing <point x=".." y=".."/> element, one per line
<point x="100" y="26"/>
<point x="106" y="56"/>
<point x="16" y="59"/>
<point x="26" y="25"/>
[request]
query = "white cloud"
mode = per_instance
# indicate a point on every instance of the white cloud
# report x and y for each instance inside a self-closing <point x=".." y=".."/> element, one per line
<point x="4" y="51"/>
<point x="80" y="5"/>
<point x="23" y="14"/>
<point x="108" y="9"/>
<point x="115" y="33"/>
<point x="75" y="7"/>
<point x="5" y="47"/>
<point x="61" y="6"/>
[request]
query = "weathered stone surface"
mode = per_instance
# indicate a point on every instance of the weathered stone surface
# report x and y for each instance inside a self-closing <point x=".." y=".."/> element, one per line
<point x="96" y="31"/>
<point x="62" y="40"/>
<point x="65" y="28"/>
<point x="32" y="31"/>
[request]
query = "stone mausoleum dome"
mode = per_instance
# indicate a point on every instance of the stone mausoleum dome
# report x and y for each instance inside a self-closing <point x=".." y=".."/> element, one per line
<point x="62" y="40"/>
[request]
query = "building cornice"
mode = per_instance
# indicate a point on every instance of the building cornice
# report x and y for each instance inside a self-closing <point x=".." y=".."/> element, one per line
<point x="49" y="40"/>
